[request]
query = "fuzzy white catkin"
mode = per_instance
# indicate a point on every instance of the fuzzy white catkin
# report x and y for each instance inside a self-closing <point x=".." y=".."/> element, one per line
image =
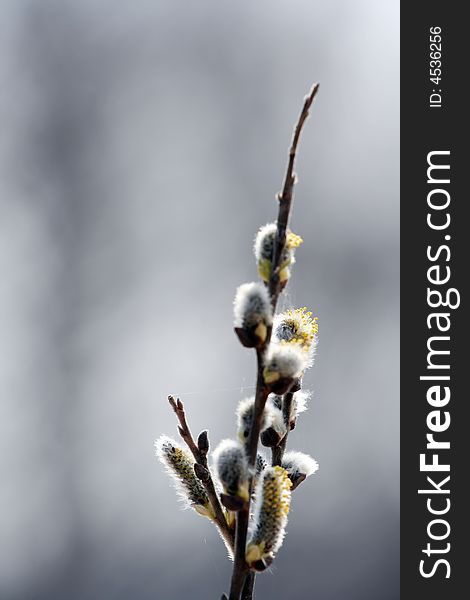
<point x="275" y="419"/>
<point x="299" y="403"/>
<point x="264" y="241"/>
<point x="287" y="360"/>
<point x="252" y="305"/>
<point x="264" y="244"/>
<point x="231" y="467"/>
<point x="180" y="465"/>
<point x="270" y="514"/>
<point x="263" y="250"/>
<point x="275" y="426"/>
<point x="298" y="463"/>
<point x="299" y="327"/>
<point x="245" y="412"/>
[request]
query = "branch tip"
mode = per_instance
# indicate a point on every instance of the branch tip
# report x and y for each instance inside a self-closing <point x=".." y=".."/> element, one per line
<point x="172" y="401"/>
<point x="313" y="92"/>
<point x="203" y="442"/>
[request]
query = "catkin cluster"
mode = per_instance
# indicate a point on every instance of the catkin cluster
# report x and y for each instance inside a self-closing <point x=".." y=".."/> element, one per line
<point x="287" y="343"/>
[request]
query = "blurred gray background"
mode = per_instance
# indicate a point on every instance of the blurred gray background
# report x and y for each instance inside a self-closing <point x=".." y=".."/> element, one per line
<point x="142" y="144"/>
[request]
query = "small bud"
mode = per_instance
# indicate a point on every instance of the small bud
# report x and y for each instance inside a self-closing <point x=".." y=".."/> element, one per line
<point x="232" y="468"/>
<point x="270" y="517"/>
<point x="245" y="412"/>
<point x="264" y="251"/>
<point x="284" y="364"/>
<point x="299" y="466"/>
<point x="203" y="442"/>
<point x="180" y="465"/>
<point x="253" y="314"/>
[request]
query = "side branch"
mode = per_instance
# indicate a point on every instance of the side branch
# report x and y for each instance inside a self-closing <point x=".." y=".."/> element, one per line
<point x="201" y="468"/>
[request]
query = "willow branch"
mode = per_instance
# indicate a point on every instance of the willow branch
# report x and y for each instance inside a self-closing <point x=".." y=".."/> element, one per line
<point x="240" y="569"/>
<point x="277" y="452"/>
<point x="202" y="469"/>
<point x="285" y="197"/>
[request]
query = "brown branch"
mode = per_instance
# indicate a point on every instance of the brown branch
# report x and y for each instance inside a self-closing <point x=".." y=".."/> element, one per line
<point x="277" y="452"/>
<point x="261" y="396"/>
<point x="202" y="470"/>
<point x="286" y="196"/>
<point x="240" y="568"/>
<point x="248" y="587"/>
<point x="183" y="429"/>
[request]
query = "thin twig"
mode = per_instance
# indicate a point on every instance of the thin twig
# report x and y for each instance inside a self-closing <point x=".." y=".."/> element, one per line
<point x="240" y="568"/>
<point x="203" y="473"/>
<point x="183" y="429"/>
<point x="285" y="197"/>
<point x="277" y="452"/>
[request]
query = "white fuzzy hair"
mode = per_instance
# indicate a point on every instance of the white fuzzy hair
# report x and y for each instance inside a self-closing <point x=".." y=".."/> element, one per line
<point x="297" y="463"/>
<point x="252" y="305"/>
<point x="289" y="360"/>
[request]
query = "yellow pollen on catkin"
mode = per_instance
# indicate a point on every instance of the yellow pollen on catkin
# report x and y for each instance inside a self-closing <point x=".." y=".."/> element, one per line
<point x="270" y="518"/>
<point x="180" y="465"/>
<point x="293" y="240"/>
<point x="274" y="492"/>
<point x="304" y="327"/>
